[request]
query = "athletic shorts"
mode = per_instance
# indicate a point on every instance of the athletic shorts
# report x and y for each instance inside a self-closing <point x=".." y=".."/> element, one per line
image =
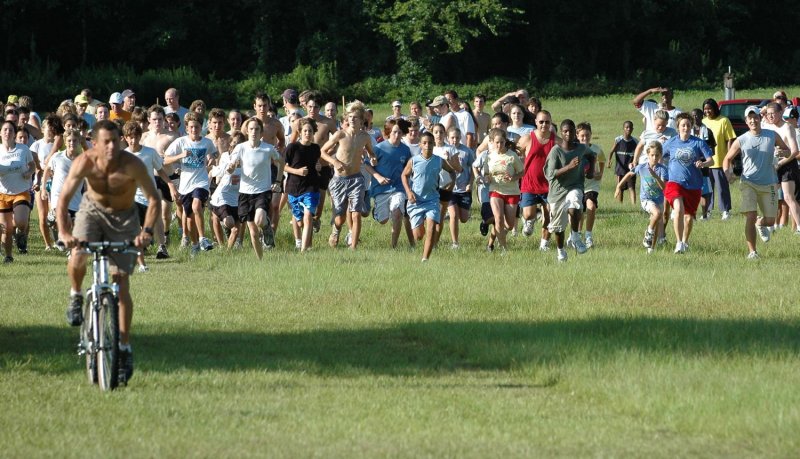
<point x="224" y="211"/>
<point x="445" y="195"/>
<point x="248" y="203"/>
<point x="532" y="199"/>
<point x="486" y="211"/>
<point x="325" y="176"/>
<point x="420" y="211"/>
<point x="559" y="211"/>
<point x="789" y="173"/>
<point x="648" y="205"/>
<point x="706" y="186"/>
<point x="691" y="198"/>
<point x="302" y="203"/>
<point x="387" y="203"/>
<point x="347" y="193"/>
<point x="590" y="196"/>
<point x="629" y="184"/>
<point x="9" y="201"/>
<point x="763" y="197"/>
<point x="164" y="189"/>
<point x="141" y="210"/>
<point x="93" y="224"/>
<point x="462" y="200"/>
<point x="508" y="199"/>
<point x="188" y="199"/>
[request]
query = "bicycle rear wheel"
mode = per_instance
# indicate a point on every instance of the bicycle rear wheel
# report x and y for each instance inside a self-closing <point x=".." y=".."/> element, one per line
<point x="87" y="340"/>
<point x="108" y="350"/>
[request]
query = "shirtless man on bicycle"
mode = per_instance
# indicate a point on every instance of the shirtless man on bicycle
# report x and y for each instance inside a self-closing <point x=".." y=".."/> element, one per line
<point x="107" y="213"/>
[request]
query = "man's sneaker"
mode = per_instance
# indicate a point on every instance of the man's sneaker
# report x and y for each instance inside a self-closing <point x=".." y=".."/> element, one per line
<point x="797" y="233"/>
<point x="194" y="250"/>
<point x="514" y="232"/>
<point x="577" y="244"/>
<point x="75" y="310"/>
<point x="205" y="244"/>
<point x="484" y="228"/>
<point x="298" y="243"/>
<point x="315" y="224"/>
<point x="753" y="255"/>
<point x="143" y="268"/>
<point x="348" y="240"/>
<point x="490" y="248"/>
<point x="125" y="365"/>
<point x="22" y="242"/>
<point x="561" y="255"/>
<point x="680" y="247"/>
<point x="544" y="245"/>
<point x="589" y="242"/>
<point x="455" y="246"/>
<point x="649" y="250"/>
<point x="527" y="228"/>
<point x="662" y="240"/>
<point x="8" y="259"/>
<point x="162" y="253"/>
<point x="763" y="232"/>
<point x="648" y="239"/>
<point x="268" y="236"/>
<point x="333" y="240"/>
<point x="726" y="215"/>
<point x="184" y="242"/>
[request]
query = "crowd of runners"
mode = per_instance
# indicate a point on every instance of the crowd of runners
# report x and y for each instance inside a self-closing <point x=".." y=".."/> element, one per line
<point x="214" y="176"/>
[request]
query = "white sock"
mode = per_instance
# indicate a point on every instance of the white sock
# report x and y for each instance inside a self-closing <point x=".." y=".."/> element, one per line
<point x="543" y="242"/>
<point x="588" y="234"/>
<point x="75" y="292"/>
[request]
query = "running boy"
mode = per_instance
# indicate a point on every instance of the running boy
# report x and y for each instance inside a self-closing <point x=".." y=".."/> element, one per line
<point x="654" y="176"/>
<point x="622" y="154"/>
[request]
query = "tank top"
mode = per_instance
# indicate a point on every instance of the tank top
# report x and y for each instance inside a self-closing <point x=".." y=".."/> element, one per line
<point x="534" y="181"/>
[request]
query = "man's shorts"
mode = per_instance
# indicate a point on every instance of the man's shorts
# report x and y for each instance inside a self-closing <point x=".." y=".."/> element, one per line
<point x="559" y="210"/>
<point x="445" y="195"/>
<point x="419" y="211"/>
<point x="224" y="211"/>
<point x="387" y="203"/>
<point x="532" y="199"/>
<point x="648" y="205"/>
<point x="248" y="203"/>
<point x="789" y="173"/>
<point x="9" y="201"/>
<point x="141" y="211"/>
<point x="486" y="211"/>
<point x="94" y="224"/>
<point x="590" y="196"/>
<point x="302" y="203"/>
<point x="187" y="199"/>
<point x="325" y="176"/>
<point x="755" y="197"/>
<point x="691" y="198"/>
<point x="462" y="200"/>
<point x="630" y="184"/>
<point x="164" y="189"/>
<point x="706" y="186"/>
<point x="347" y="193"/>
<point x="508" y="199"/>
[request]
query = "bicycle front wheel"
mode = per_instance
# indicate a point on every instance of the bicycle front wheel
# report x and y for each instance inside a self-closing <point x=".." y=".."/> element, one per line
<point x="88" y="345"/>
<point x="108" y="350"/>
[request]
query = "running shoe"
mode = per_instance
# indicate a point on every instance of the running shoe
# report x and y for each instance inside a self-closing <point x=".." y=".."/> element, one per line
<point x="75" y="310"/>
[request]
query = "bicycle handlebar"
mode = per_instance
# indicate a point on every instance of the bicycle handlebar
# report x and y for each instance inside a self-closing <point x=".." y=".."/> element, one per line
<point x="102" y="246"/>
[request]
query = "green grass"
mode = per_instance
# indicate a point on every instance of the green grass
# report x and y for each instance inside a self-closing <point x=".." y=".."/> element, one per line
<point x="371" y="353"/>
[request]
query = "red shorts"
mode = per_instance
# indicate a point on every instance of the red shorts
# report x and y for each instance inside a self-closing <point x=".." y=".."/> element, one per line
<point x="691" y="198"/>
<point x="509" y="199"/>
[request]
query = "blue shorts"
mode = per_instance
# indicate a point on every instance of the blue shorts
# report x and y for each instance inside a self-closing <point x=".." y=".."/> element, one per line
<point x="302" y="203"/>
<point x="531" y="199"/>
<point x="706" y="186"/>
<point x="188" y="199"/>
<point x="422" y="210"/>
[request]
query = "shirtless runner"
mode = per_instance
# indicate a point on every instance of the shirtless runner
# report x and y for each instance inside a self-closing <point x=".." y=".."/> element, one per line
<point x="347" y="187"/>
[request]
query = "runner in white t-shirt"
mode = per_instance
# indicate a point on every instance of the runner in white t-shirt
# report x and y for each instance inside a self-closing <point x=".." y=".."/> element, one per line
<point x="196" y="155"/>
<point x="256" y="158"/>
<point x="225" y="199"/>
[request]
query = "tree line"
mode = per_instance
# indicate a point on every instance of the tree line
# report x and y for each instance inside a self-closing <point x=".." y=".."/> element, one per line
<point x="623" y="42"/>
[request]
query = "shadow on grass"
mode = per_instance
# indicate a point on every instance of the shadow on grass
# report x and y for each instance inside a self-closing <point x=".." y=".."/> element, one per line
<point x="418" y="348"/>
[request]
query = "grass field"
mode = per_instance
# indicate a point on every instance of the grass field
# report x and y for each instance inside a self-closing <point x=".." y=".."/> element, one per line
<point x="371" y="353"/>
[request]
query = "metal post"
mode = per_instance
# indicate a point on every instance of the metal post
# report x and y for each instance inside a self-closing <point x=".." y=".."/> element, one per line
<point x="727" y="79"/>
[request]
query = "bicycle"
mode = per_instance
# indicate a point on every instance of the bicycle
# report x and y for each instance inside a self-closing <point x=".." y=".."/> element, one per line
<point x="99" y="333"/>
